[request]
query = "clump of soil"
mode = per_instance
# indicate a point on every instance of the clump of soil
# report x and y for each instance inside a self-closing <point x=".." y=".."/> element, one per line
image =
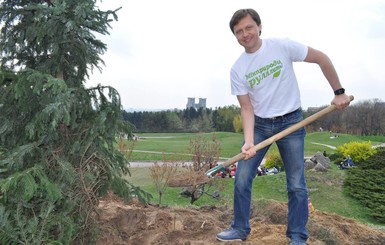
<point x="136" y="224"/>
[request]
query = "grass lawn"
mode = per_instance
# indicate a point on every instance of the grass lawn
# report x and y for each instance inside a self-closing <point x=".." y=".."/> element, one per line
<point x="179" y="144"/>
<point x="169" y="144"/>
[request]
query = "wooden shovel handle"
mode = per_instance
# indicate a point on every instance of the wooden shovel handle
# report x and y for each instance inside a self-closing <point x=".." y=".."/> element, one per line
<point x="284" y="133"/>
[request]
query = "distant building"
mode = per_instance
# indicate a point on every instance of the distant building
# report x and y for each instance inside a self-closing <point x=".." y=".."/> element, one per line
<point x="191" y="103"/>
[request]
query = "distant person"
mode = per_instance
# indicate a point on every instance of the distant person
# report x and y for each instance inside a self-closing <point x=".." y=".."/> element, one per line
<point x="233" y="170"/>
<point x="265" y="84"/>
<point x="223" y="174"/>
<point x="228" y="172"/>
<point x="344" y="163"/>
<point x="350" y="161"/>
<point x="259" y="171"/>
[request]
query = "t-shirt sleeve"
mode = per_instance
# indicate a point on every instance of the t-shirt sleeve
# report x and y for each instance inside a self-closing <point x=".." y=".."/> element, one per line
<point x="238" y="86"/>
<point x="298" y="51"/>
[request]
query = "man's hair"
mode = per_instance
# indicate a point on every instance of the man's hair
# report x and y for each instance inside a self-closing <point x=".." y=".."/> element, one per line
<point x="242" y="13"/>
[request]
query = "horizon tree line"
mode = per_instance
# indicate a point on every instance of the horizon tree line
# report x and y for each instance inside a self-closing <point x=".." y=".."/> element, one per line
<point x="363" y="118"/>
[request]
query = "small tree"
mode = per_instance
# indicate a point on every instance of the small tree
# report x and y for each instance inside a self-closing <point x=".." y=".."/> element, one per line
<point x="237" y="123"/>
<point x="205" y="152"/>
<point x="57" y="137"/>
<point x="161" y="174"/>
<point x="126" y="147"/>
<point x="205" y="155"/>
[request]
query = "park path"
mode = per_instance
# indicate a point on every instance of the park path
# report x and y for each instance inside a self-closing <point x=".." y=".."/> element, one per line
<point x="380" y="145"/>
<point x="329" y="146"/>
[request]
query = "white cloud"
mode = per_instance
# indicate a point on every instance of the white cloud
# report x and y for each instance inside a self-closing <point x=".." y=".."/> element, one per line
<point x="161" y="52"/>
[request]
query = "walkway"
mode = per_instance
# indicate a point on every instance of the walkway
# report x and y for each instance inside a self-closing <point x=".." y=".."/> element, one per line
<point x="329" y="146"/>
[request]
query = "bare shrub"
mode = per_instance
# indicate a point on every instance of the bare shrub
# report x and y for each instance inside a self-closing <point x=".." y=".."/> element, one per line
<point x="205" y="152"/>
<point x="205" y="155"/>
<point x="161" y="174"/>
<point x="126" y="146"/>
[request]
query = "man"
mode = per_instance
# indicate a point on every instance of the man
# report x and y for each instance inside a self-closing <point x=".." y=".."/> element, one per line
<point x="264" y="82"/>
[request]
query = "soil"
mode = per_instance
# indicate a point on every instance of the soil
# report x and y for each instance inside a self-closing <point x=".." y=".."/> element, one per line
<point x="138" y="224"/>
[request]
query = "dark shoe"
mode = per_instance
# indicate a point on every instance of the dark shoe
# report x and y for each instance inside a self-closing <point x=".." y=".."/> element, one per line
<point x="231" y="234"/>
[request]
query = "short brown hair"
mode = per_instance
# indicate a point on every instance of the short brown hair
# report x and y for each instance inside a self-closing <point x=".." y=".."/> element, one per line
<point x="242" y="13"/>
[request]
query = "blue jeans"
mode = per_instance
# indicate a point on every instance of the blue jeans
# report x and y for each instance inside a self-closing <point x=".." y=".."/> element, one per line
<point x="291" y="149"/>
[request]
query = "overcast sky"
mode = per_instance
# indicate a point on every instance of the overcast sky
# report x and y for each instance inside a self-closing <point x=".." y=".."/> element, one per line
<point x="162" y="52"/>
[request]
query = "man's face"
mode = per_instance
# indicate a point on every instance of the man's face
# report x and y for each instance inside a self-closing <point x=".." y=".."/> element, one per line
<point x="247" y="34"/>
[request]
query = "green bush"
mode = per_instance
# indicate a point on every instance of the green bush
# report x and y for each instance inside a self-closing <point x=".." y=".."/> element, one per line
<point x="336" y="158"/>
<point x="366" y="183"/>
<point x="273" y="159"/>
<point x="358" y="151"/>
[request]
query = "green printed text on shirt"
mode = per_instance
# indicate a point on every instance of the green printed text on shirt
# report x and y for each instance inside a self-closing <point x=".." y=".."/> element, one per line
<point x="255" y="77"/>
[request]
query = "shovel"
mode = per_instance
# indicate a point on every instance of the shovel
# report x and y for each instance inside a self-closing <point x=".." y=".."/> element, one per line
<point x="196" y="178"/>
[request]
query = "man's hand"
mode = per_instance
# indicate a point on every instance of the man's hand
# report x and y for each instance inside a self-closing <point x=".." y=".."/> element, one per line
<point x="341" y="101"/>
<point x="248" y="150"/>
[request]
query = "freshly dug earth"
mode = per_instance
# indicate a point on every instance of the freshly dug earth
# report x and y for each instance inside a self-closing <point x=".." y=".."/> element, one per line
<point x="136" y="224"/>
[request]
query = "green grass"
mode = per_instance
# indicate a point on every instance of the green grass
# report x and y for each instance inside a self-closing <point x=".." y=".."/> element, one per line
<point x="230" y="144"/>
<point x="179" y="144"/>
<point x="325" y="189"/>
<point x="325" y="138"/>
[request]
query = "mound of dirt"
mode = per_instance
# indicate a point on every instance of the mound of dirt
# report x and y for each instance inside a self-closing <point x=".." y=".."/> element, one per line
<point x="136" y="224"/>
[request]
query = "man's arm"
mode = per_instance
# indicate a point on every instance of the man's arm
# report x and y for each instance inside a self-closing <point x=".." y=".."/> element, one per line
<point x="247" y="114"/>
<point x="327" y="68"/>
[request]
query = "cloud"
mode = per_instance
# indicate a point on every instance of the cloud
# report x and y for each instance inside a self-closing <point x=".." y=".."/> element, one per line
<point x="162" y="52"/>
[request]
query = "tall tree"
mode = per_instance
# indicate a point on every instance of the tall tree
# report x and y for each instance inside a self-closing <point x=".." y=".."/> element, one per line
<point x="224" y="116"/>
<point x="57" y="152"/>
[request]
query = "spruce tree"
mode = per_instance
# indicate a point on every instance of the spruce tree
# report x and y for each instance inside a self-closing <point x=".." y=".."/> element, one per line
<point x="57" y="137"/>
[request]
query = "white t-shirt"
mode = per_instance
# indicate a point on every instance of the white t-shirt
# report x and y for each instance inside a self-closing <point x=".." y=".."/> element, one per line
<point x="267" y="75"/>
